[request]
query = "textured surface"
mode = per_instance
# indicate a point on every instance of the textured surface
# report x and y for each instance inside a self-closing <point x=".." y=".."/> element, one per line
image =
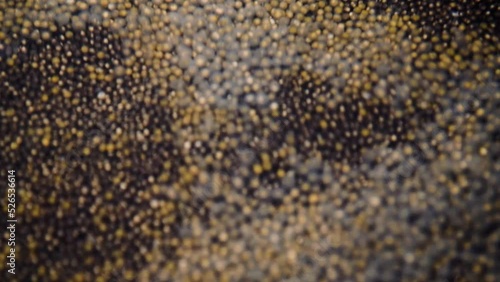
<point x="252" y="140"/>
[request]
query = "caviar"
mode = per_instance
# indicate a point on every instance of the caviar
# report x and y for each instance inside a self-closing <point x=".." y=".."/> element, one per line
<point x="252" y="140"/>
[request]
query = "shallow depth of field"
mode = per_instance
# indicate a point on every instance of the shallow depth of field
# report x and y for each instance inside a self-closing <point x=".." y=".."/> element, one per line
<point x="248" y="140"/>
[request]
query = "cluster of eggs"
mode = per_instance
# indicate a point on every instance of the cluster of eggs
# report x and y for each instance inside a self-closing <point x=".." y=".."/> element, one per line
<point x="250" y="140"/>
